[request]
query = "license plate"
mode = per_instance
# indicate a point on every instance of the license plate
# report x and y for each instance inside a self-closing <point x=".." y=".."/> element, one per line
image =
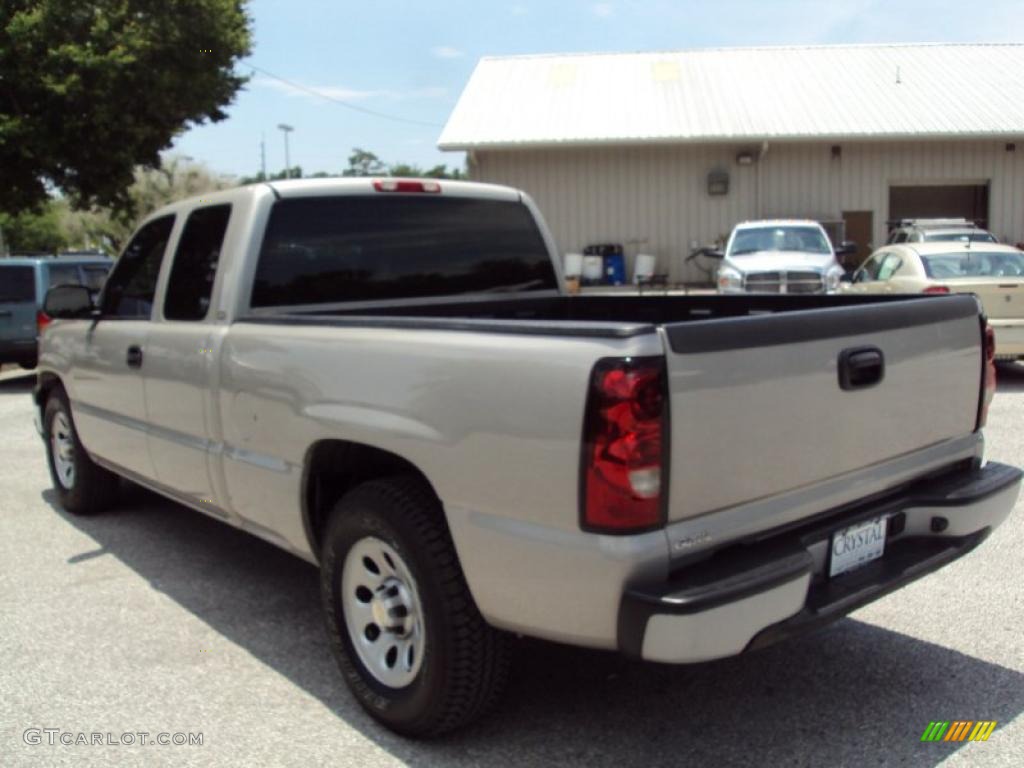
<point x="857" y="545"/>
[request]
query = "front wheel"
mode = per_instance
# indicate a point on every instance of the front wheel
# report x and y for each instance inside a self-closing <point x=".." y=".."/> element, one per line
<point x="403" y="626"/>
<point x="82" y="486"/>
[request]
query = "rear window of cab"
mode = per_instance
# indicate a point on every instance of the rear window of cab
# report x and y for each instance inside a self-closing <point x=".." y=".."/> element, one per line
<point x="367" y="248"/>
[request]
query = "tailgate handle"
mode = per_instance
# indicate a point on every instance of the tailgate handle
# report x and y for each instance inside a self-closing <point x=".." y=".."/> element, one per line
<point x="860" y="368"/>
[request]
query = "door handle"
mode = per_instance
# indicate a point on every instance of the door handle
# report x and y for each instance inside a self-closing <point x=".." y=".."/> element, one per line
<point x="860" y="368"/>
<point x="134" y="358"/>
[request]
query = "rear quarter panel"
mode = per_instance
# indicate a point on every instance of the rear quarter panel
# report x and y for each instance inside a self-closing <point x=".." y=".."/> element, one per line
<point x="493" y="421"/>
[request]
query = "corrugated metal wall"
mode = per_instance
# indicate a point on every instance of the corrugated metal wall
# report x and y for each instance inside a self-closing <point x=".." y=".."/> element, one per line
<point x="654" y="198"/>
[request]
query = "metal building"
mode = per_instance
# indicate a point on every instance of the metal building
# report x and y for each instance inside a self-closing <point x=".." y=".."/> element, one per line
<point x="664" y="152"/>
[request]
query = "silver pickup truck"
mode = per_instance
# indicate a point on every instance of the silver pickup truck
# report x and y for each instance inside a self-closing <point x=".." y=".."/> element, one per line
<point x="386" y="379"/>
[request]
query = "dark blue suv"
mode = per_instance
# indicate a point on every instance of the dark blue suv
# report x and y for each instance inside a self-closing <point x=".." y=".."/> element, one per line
<point x="24" y="281"/>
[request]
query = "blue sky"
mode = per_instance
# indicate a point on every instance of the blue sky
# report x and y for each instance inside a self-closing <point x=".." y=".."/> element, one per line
<point x="411" y="59"/>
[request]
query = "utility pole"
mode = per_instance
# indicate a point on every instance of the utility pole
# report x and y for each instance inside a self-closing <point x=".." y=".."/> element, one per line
<point x="286" y="129"/>
<point x="263" y="156"/>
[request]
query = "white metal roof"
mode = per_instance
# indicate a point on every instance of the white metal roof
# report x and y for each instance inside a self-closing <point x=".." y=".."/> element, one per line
<point x="824" y="92"/>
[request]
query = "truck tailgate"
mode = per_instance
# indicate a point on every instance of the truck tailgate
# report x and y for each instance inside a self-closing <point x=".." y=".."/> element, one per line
<point x="758" y="407"/>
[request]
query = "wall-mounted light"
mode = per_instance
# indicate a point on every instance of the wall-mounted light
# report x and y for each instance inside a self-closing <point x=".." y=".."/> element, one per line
<point x="837" y="152"/>
<point x="1011" y="147"/>
<point x="718" y="182"/>
<point x="745" y="158"/>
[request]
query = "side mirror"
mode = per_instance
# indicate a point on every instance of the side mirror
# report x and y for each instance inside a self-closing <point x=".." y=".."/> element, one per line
<point x="846" y="248"/>
<point x="846" y="277"/>
<point x="67" y="302"/>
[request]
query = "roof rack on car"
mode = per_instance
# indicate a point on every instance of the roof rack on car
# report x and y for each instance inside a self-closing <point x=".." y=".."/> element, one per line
<point x="949" y="222"/>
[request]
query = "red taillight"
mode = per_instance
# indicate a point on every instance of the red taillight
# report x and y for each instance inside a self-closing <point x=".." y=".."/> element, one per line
<point x="623" y="445"/>
<point x="988" y="375"/>
<point x="936" y="289"/>
<point x="42" y="320"/>
<point x="406" y="185"/>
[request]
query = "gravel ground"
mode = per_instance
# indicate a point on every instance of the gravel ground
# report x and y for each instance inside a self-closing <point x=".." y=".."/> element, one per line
<point x="156" y="619"/>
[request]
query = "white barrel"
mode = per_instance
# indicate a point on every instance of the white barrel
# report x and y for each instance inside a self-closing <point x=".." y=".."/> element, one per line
<point x="573" y="264"/>
<point x="593" y="268"/>
<point x="644" y="267"/>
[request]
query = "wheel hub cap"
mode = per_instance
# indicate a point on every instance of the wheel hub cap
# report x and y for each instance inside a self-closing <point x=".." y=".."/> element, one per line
<point x="62" y="449"/>
<point x="381" y="605"/>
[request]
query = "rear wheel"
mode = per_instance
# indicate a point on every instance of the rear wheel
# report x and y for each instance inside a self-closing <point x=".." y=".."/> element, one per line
<point x="28" y="363"/>
<point x="82" y="486"/>
<point x="403" y="626"/>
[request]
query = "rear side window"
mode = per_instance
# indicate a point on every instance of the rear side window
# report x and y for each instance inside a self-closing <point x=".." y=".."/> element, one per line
<point x="195" y="263"/>
<point x="129" y="290"/>
<point x="325" y="250"/>
<point x="17" y="284"/>
<point x="64" y="274"/>
<point x="869" y="271"/>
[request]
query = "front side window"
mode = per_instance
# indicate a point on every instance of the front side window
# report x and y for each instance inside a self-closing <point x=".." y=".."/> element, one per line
<point x="195" y="263"/>
<point x="130" y="289"/>
<point x="372" y="248"/>
<point x="889" y="266"/>
<point x="869" y="271"/>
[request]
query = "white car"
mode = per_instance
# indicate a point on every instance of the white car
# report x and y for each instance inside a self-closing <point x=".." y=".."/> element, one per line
<point x="995" y="273"/>
<point x="938" y="230"/>
<point x="779" y="256"/>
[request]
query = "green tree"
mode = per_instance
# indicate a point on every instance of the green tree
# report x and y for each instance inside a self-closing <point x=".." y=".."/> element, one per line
<point x="363" y="163"/>
<point x="151" y="188"/>
<point x="34" y="231"/>
<point x="294" y="173"/>
<point x="90" y="90"/>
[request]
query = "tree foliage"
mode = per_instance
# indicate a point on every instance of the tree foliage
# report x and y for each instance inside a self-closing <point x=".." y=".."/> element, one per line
<point x="90" y="90"/>
<point x="363" y="163"/>
<point x="37" y="231"/>
<point x="151" y="188"/>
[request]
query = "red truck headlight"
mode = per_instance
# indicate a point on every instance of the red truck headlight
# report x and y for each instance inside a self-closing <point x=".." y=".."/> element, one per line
<point x="622" y="478"/>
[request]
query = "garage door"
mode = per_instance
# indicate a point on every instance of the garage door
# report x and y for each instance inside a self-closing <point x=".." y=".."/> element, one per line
<point x="968" y="201"/>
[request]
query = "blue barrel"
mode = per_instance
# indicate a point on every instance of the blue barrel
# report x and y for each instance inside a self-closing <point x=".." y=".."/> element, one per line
<point x="614" y="269"/>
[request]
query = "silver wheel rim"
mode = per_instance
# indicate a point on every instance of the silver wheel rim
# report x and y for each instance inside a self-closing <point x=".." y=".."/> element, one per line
<point x="62" y="447"/>
<point x="382" y="612"/>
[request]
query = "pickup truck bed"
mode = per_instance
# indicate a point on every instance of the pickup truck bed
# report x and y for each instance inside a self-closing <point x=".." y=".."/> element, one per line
<point x="679" y="478"/>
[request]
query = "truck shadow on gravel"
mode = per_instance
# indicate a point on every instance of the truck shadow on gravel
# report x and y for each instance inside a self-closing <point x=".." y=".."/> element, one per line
<point x="1010" y="377"/>
<point x="17" y="383"/>
<point x="854" y="694"/>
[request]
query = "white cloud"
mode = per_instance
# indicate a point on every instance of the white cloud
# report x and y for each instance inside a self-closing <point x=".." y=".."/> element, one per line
<point x="602" y="10"/>
<point x="446" y="52"/>
<point x="343" y="93"/>
<point x="301" y="89"/>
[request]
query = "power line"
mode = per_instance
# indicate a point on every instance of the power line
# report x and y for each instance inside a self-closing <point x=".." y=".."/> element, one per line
<point x="341" y="102"/>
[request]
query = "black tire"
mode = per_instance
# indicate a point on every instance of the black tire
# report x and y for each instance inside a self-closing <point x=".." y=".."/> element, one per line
<point x="28" y="363"/>
<point x="92" y="488"/>
<point x="465" y="661"/>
